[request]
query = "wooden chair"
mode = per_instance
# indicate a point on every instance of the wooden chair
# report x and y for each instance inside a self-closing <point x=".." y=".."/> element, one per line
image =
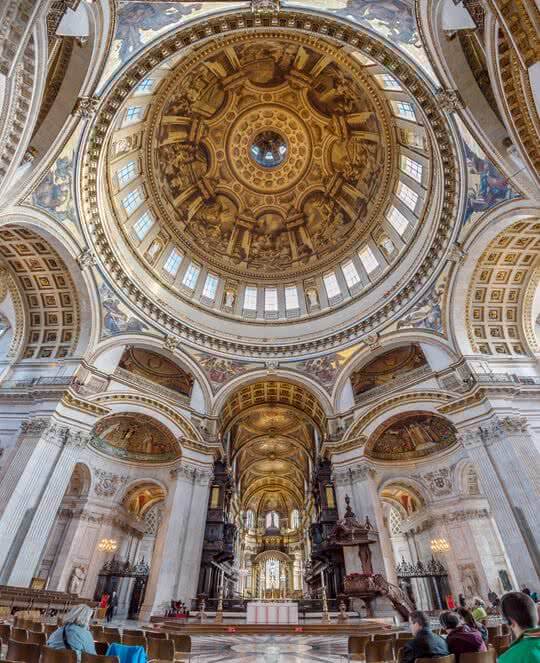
<point x="97" y="658"/>
<point x="19" y="634"/>
<point x="133" y="631"/>
<point x="101" y="648"/>
<point x="50" y="628"/>
<point x="96" y="628"/>
<point x="36" y="627"/>
<point x="501" y="643"/>
<point x="439" y="659"/>
<point x="50" y="655"/>
<point x="182" y="643"/>
<point x="134" y="640"/>
<point x="160" y="649"/>
<point x="5" y="633"/>
<point x="380" y="651"/>
<point x="27" y="652"/>
<point x="357" y="645"/>
<point x="155" y="634"/>
<point x="36" y="638"/>
<point x="493" y="631"/>
<point x="479" y="657"/>
<point x="112" y="635"/>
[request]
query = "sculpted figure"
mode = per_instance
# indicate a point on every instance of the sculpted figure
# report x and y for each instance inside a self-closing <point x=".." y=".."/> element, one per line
<point x="76" y="581"/>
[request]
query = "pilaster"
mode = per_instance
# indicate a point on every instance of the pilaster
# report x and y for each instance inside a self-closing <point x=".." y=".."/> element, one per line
<point x="510" y="496"/>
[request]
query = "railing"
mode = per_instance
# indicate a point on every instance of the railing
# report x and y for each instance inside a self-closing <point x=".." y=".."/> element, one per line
<point x="506" y="378"/>
<point x="25" y="383"/>
<point x="240" y="604"/>
<point x="399" y="380"/>
<point x="138" y="380"/>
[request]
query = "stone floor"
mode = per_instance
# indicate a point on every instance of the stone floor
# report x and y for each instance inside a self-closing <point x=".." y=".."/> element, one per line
<point x="268" y="649"/>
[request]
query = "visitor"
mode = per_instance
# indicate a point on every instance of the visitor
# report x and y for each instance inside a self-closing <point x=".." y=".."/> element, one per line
<point x="74" y="634"/>
<point x="493" y="598"/>
<point x="111" y="606"/>
<point x="461" y="601"/>
<point x="450" y="603"/>
<point x="526" y="590"/>
<point x="519" y="610"/>
<point x="461" y="639"/>
<point x="479" y="610"/>
<point x="471" y="622"/>
<point x="425" y="643"/>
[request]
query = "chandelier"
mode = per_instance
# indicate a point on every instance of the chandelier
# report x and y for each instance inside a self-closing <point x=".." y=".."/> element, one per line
<point x="439" y="545"/>
<point x="107" y="545"/>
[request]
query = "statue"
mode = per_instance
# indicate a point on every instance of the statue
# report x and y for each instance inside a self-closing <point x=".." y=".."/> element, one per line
<point x="76" y="582"/>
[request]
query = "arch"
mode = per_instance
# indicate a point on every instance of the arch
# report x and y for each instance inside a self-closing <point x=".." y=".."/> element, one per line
<point x="80" y="482"/>
<point x="410" y="435"/>
<point x="141" y="495"/>
<point x="392" y="489"/>
<point x="497" y="291"/>
<point x="467" y="479"/>
<point x="279" y="387"/>
<point x="409" y="401"/>
<point x="475" y="244"/>
<point x="271" y="554"/>
<point x="109" y="351"/>
<point x="65" y="248"/>
<point x="135" y="437"/>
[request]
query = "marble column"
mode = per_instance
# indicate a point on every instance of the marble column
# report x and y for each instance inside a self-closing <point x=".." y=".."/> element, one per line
<point x="510" y="496"/>
<point x="186" y="586"/>
<point x="33" y="543"/>
<point x="171" y="542"/>
<point x="25" y="480"/>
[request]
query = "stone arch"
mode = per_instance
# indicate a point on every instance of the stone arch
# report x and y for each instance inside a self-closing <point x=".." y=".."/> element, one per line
<point x="141" y="495"/>
<point x="364" y="426"/>
<point x="108" y="353"/>
<point x="410" y="435"/>
<point x="467" y="479"/>
<point x="38" y="227"/>
<point x="437" y="351"/>
<point x="481" y="235"/>
<point x="81" y="481"/>
<point x="317" y="401"/>
<point x="391" y="489"/>
<point x="136" y="437"/>
<point x="496" y="299"/>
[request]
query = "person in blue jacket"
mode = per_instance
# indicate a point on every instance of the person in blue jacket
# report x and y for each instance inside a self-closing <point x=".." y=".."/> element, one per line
<point x="74" y="634"/>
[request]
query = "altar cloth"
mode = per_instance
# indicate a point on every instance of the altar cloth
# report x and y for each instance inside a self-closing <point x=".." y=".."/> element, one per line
<point x="271" y="612"/>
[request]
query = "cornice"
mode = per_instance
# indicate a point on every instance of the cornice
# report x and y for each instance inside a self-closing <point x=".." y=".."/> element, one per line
<point x="344" y="35"/>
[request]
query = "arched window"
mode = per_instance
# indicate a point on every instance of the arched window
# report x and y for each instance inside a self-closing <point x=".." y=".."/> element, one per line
<point x="272" y="520"/>
<point x="295" y="519"/>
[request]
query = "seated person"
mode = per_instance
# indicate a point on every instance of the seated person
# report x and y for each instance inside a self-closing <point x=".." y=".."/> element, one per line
<point x="479" y="610"/>
<point x="471" y="622"/>
<point x="461" y="638"/>
<point x="519" y="610"/>
<point x="74" y="634"/>
<point x="425" y="643"/>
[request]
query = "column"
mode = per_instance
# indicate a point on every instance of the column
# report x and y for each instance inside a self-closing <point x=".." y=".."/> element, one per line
<point x="384" y="535"/>
<point x="186" y="586"/>
<point x="31" y="546"/>
<point x="507" y="496"/>
<point x="168" y="551"/>
<point x="22" y="485"/>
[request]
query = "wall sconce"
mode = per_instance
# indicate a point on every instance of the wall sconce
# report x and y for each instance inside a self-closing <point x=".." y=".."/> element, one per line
<point x="107" y="545"/>
<point x="439" y="545"/>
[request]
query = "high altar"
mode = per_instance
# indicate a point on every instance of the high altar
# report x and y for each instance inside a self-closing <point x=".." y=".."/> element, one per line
<point x="272" y="612"/>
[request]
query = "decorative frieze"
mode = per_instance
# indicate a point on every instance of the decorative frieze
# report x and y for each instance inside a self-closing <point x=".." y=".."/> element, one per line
<point x="197" y="475"/>
<point x="449" y="100"/>
<point x="35" y="426"/>
<point x="86" y="258"/>
<point x="108" y="483"/>
<point x="445" y="519"/>
<point x="439" y="481"/>
<point x="86" y="107"/>
<point x="352" y="474"/>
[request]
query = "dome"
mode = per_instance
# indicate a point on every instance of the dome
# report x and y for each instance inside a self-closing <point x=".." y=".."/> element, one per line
<point x="270" y="175"/>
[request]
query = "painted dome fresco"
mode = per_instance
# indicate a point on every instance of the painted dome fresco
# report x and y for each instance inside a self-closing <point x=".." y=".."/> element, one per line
<point x="269" y="175"/>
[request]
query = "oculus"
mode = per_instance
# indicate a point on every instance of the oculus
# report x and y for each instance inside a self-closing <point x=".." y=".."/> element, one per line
<point x="268" y="149"/>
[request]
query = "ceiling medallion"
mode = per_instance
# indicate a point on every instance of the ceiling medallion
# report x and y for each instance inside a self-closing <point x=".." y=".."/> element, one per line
<point x="269" y="156"/>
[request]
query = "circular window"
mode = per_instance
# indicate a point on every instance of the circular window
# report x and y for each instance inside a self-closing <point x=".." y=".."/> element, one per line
<point x="269" y="149"/>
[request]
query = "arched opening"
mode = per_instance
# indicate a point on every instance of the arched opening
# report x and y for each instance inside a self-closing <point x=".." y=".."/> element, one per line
<point x="126" y="566"/>
<point x="272" y="431"/>
<point x="64" y="563"/>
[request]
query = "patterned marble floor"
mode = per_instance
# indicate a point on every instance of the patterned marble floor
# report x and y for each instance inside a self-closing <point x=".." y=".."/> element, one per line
<point x="268" y="649"/>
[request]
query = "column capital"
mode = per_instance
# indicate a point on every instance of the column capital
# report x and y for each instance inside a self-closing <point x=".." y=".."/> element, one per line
<point x="35" y="426"/>
<point x="513" y="424"/>
<point x="193" y="473"/>
<point x="352" y="473"/>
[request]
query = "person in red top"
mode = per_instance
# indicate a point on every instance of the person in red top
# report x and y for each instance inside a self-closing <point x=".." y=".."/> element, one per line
<point x="461" y="639"/>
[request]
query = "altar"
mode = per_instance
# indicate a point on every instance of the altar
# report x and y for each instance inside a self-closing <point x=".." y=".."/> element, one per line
<point x="272" y="612"/>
